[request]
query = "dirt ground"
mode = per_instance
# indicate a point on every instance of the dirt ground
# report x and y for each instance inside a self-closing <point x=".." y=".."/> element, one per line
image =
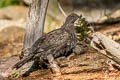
<point x="87" y="66"/>
<point x="11" y="41"/>
<point x="91" y="65"/>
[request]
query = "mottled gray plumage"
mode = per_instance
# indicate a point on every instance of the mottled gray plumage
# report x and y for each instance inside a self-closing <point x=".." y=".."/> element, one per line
<point x="57" y="42"/>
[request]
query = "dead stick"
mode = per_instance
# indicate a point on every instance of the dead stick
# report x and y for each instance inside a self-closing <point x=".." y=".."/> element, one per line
<point x="106" y="46"/>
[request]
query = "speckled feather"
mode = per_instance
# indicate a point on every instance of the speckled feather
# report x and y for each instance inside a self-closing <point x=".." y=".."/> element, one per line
<point x="57" y="42"/>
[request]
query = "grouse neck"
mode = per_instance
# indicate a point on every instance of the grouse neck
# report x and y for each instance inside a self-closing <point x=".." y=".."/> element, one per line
<point x="68" y="26"/>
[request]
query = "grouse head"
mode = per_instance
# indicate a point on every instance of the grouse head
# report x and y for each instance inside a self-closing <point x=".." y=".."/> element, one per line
<point x="72" y="18"/>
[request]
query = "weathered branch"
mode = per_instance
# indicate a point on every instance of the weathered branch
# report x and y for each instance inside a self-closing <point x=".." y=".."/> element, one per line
<point x="109" y="21"/>
<point x="106" y="46"/>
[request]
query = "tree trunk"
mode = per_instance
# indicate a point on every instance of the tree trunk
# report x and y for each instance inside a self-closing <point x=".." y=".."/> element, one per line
<point x="35" y="22"/>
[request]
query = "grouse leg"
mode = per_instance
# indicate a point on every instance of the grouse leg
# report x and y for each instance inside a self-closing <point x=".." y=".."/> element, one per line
<point x="53" y="65"/>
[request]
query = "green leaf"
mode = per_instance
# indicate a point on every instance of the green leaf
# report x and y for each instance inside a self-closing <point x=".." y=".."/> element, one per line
<point x="15" y="74"/>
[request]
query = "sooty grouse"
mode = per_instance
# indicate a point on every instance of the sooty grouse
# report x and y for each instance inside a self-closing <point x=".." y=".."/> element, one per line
<point x="53" y="44"/>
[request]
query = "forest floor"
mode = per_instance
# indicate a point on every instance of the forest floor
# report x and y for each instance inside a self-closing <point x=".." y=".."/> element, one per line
<point x="91" y="65"/>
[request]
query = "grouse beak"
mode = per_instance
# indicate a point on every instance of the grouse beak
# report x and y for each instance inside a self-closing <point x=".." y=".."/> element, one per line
<point x="76" y="22"/>
<point x="80" y="16"/>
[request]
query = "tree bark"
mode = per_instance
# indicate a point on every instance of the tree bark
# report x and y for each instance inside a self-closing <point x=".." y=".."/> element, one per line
<point x="35" y="22"/>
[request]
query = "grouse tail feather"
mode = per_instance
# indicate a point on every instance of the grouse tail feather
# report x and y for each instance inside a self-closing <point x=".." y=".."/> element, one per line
<point x="22" y="62"/>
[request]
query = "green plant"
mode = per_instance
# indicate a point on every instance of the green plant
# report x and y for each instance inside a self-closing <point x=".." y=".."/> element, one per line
<point x="82" y="28"/>
<point x="15" y="74"/>
<point x="5" y="3"/>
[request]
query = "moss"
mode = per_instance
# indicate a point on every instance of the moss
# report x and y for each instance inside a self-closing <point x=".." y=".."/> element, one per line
<point x="5" y="3"/>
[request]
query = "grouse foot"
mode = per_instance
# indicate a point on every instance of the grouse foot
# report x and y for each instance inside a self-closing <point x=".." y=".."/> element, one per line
<point x="53" y="65"/>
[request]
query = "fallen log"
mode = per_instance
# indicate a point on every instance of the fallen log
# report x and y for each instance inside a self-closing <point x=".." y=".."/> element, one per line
<point x="107" y="47"/>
